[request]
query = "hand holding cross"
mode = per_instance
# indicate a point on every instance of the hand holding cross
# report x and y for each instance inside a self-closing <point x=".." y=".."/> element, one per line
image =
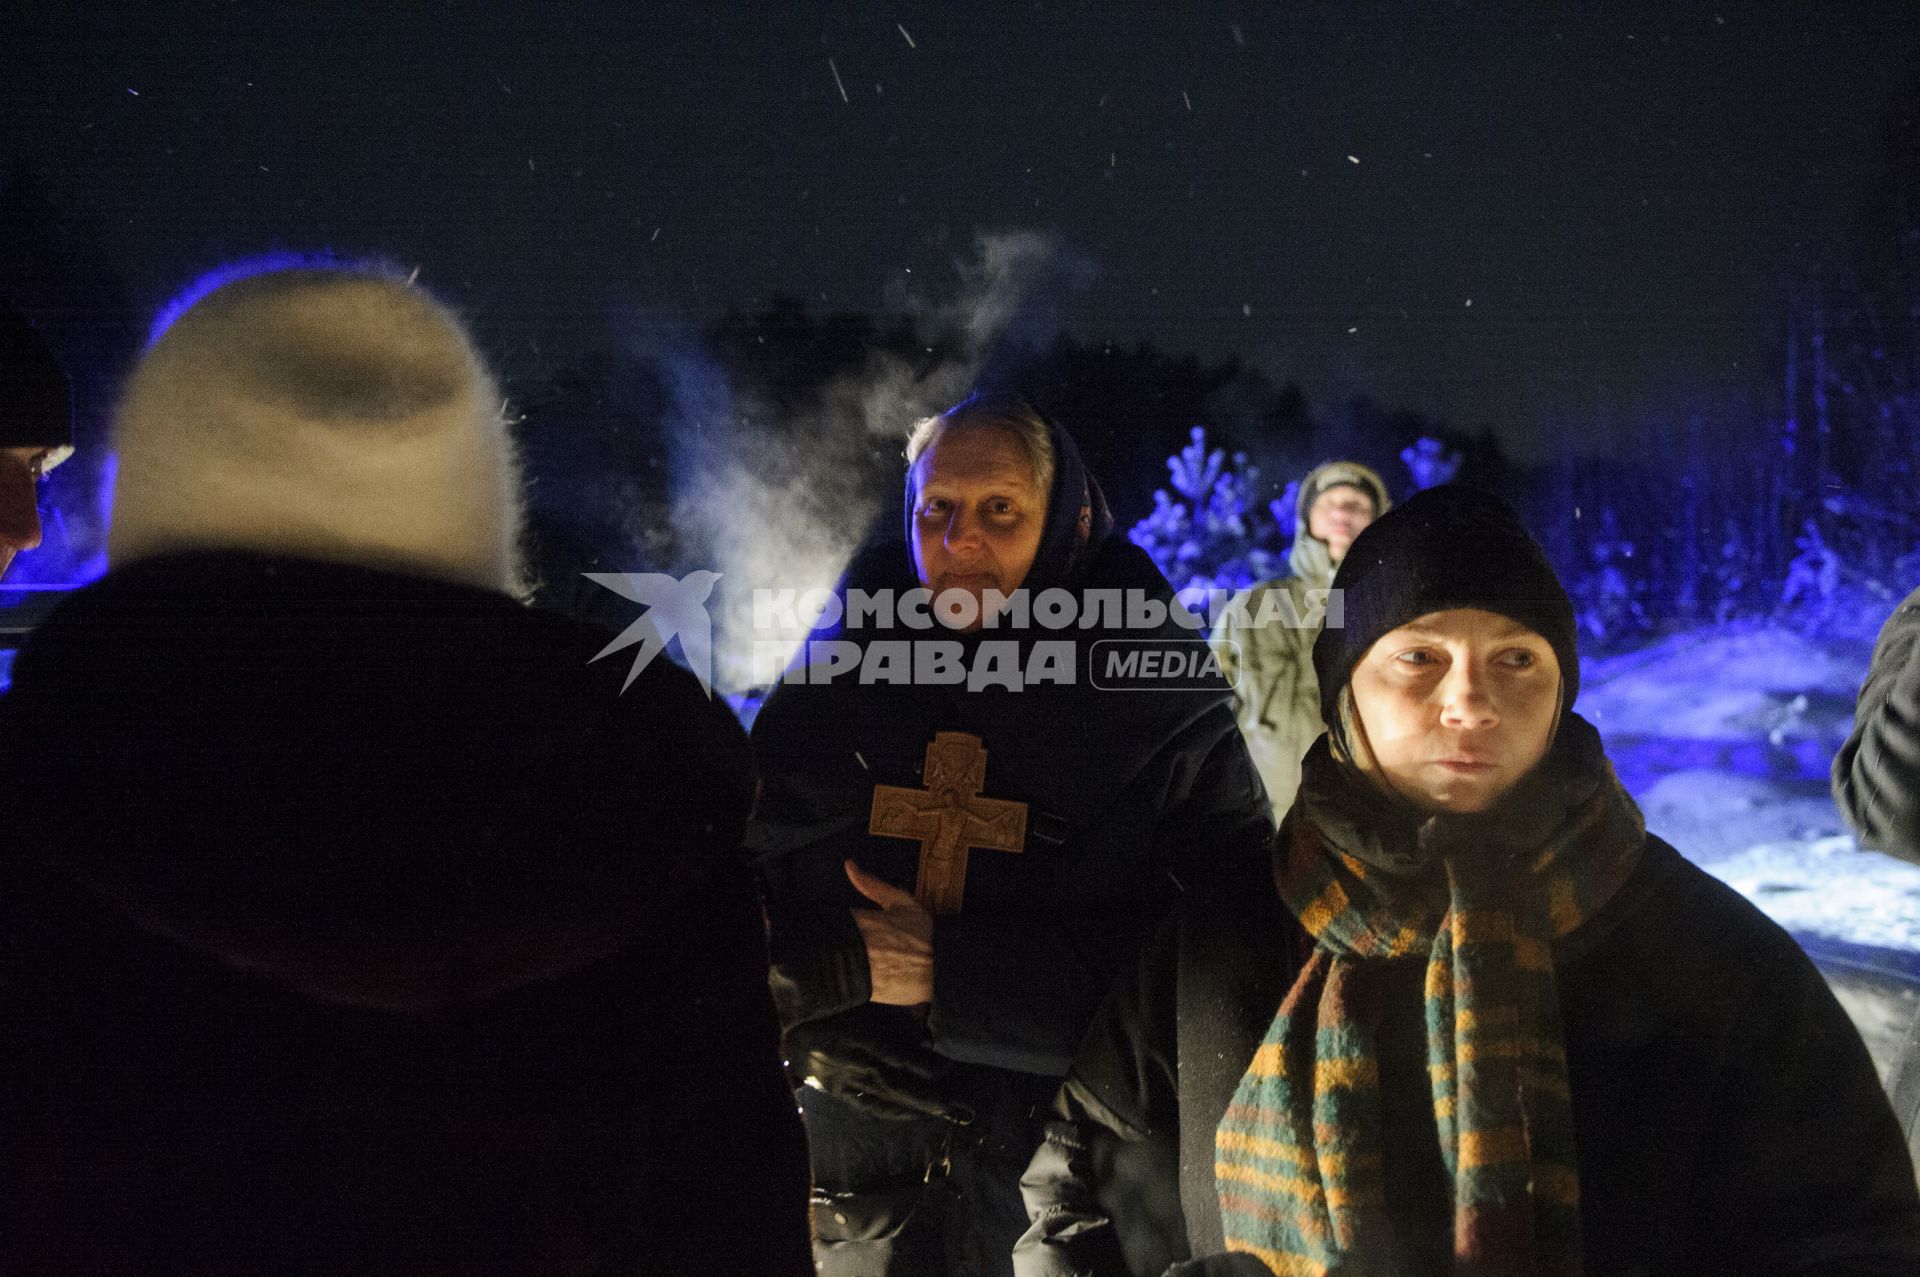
<point x="899" y="940"/>
<point x="948" y="819"/>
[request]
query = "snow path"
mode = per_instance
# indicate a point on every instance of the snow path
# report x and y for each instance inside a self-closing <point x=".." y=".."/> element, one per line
<point x="1724" y="736"/>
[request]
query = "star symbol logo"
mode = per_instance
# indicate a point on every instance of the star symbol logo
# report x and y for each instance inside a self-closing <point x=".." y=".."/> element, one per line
<point x="675" y="609"/>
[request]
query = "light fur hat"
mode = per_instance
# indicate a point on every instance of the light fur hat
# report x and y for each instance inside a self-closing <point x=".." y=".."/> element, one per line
<point x="329" y="413"/>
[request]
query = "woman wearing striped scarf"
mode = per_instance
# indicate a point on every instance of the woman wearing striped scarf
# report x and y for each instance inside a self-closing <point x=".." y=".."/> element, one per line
<point x="1476" y="1020"/>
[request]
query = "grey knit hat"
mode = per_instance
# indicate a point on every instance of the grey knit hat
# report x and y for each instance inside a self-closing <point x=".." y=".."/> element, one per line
<point x="1446" y="547"/>
<point x="1335" y="474"/>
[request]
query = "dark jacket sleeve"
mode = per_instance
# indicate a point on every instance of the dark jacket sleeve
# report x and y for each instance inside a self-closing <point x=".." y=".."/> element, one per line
<point x="741" y="1154"/>
<point x="1103" y="1191"/>
<point x="1807" y="1173"/>
<point x="1223" y="821"/>
<point x="808" y="818"/>
<point x="819" y="976"/>
<point x="1876" y="775"/>
<point x="1210" y="816"/>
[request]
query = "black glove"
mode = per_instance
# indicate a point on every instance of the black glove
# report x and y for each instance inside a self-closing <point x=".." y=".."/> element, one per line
<point x="875" y="1059"/>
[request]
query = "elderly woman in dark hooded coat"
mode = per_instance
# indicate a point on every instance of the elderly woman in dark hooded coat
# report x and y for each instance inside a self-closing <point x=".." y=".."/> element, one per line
<point x="1472" y="1017"/>
<point x="924" y="1090"/>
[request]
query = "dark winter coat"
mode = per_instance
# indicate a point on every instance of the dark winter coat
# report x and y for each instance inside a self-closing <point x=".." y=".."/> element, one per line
<point x="1726" y="1113"/>
<point x="1133" y="798"/>
<point x="353" y="922"/>
<point x="1876" y="782"/>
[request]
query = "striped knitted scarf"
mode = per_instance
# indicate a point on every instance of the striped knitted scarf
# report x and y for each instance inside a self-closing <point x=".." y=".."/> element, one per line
<point x="1299" y="1153"/>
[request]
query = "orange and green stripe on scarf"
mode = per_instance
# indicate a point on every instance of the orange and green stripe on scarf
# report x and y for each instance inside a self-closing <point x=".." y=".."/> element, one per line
<point x="1299" y="1154"/>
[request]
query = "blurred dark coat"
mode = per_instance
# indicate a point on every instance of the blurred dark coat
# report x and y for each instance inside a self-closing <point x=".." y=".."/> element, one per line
<point x="1726" y="1113"/>
<point x="353" y="922"/>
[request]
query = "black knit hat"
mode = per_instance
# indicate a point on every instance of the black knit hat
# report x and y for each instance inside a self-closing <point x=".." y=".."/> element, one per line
<point x="1446" y="547"/>
<point x="36" y="405"/>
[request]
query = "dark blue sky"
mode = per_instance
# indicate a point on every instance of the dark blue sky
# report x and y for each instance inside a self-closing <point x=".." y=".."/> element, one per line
<point x="1626" y="198"/>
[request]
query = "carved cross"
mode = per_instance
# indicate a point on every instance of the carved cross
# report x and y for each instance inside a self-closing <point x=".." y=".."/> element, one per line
<point x="948" y="818"/>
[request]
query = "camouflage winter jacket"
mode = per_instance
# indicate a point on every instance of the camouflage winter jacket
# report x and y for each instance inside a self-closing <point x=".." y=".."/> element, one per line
<point x="1876" y="782"/>
<point x="1876" y="775"/>
<point x="1265" y="644"/>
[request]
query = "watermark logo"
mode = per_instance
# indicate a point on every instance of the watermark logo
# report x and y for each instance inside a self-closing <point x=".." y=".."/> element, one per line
<point x="1159" y="664"/>
<point x="1142" y="612"/>
<point x="1130" y="639"/>
<point x="1115" y="639"/>
<point x="675" y="609"/>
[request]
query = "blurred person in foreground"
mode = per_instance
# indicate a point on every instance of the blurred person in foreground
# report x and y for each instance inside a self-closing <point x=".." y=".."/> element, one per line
<point x="350" y="921"/>
<point x="1471" y="1017"/>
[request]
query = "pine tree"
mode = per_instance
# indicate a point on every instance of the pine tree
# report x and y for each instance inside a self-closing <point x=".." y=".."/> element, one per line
<point x="1201" y="538"/>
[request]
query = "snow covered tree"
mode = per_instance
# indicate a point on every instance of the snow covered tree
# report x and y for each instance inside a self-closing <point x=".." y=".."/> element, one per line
<point x="1200" y="535"/>
<point x="1607" y="594"/>
<point x="1430" y="462"/>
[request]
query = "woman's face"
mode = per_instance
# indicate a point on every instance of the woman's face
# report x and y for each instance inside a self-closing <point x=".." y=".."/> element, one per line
<point x="1457" y="707"/>
<point x="977" y="514"/>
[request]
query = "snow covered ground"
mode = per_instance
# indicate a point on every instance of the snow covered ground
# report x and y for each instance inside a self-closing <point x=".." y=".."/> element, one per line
<point x="1724" y="735"/>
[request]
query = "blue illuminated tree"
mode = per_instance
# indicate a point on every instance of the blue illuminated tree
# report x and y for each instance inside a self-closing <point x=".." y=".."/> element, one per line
<point x="1430" y="462"/>
<point x="1200" y="535"/>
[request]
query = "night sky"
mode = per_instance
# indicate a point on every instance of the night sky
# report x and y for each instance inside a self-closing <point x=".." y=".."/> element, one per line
<point x="1506" y="215"/>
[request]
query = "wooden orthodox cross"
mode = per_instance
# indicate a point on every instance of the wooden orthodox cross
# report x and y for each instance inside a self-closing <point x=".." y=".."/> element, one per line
<point x="948" y="818"/>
